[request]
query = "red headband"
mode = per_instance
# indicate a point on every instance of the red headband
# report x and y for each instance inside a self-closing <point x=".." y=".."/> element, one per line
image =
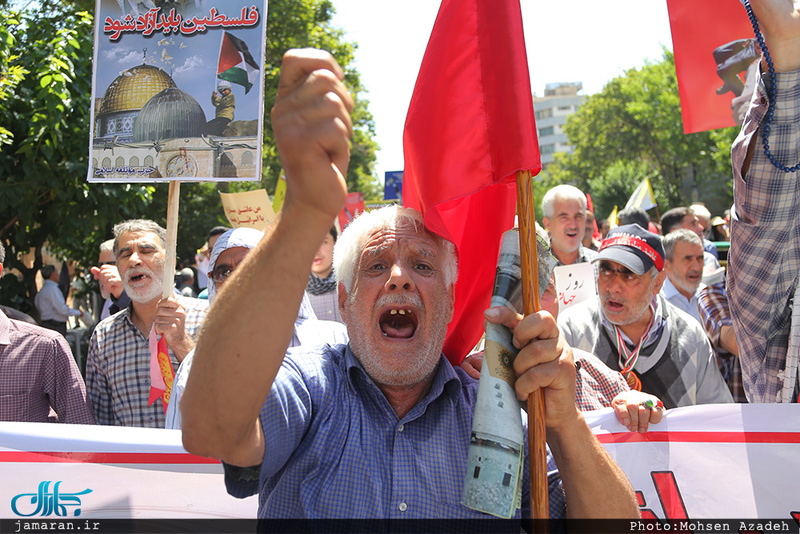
<point x="635" y="242"/>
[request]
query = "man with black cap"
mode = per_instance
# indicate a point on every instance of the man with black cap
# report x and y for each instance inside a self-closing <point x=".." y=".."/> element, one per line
<point x="658" y="348"/>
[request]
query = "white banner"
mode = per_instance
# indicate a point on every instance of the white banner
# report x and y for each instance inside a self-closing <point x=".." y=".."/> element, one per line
<point x="130" y="473"/>
<point x="712" y="462"/>
<point x="702" y="462"/>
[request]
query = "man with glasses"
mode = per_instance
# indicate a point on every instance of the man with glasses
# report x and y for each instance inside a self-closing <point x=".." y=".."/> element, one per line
<point x="658" y="348"/>
<point x="107" y="275"/>
<point x="228" y="252"/>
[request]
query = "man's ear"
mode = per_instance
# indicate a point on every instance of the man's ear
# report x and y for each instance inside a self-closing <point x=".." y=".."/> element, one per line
<point x="451" y="294"/>
<point x="546" y="223"/>
<point x="342" y="300"/>
<point x="659" y="281"/>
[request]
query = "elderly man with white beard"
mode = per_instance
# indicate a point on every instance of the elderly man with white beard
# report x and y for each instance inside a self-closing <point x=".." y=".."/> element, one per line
<point x="118" y="365"/>
<point x="378" y="428"/>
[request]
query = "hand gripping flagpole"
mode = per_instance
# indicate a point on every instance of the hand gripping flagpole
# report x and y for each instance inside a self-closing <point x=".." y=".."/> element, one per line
<point x="537" y="452"/>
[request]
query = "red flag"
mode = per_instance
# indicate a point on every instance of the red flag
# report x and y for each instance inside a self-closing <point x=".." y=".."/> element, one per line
<point x="714" y="46"/>
<point x="162" y="375"/>
<point x="470" y="127"/>
<point x="590" y="207"/>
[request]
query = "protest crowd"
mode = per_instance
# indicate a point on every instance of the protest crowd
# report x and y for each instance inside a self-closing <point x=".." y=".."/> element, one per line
<point x="309" y="353"/>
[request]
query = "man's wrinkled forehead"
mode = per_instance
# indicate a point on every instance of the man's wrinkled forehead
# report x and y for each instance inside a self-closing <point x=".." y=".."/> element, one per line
<point x="415" y="236"/>
<point x="142" y="239"/>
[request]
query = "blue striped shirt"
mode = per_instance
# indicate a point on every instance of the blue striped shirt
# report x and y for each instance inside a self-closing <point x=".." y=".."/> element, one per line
<point x="336" y="449"/>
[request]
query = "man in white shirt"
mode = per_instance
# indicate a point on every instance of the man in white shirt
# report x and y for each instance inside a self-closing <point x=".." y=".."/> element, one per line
<point x="684" y="268"/>
<point x="50" y="302"/>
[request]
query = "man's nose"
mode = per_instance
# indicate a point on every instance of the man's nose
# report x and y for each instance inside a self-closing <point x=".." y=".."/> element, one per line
<point x="399" y="278"/>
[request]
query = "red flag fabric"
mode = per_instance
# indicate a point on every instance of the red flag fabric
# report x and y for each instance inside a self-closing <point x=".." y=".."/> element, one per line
<point x="470" y="127"/>
<point x="714" y="47"/>
<point x="162" y="379"/>
<point x="590" y="207"/>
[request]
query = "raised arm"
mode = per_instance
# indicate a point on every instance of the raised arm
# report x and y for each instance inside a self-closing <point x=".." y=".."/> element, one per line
<point x="247" y="331"/>
<point x="779" y="20"/>
<point x="762" y="263"/>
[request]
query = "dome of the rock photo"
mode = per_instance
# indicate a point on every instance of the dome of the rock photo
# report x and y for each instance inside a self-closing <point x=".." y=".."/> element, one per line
<point x="169" y="114"/>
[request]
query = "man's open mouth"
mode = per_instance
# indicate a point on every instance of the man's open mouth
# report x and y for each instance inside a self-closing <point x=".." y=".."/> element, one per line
<point x="138" y="277"/>
<point x="398" y="323"/>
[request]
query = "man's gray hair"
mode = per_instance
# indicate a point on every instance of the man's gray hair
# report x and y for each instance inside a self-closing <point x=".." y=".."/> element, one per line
<point x="561" y="192"/>
<point x="138" y="225"/>
<point x="679" y="234"/>
<point x="348" y="248"/>
<point x="107" y="246"/>
<point x="701" y="211"/>
<point x="47" y="271"/>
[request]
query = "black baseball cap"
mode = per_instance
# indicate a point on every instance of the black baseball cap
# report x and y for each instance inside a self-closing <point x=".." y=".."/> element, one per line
<point x="634" y="247"/>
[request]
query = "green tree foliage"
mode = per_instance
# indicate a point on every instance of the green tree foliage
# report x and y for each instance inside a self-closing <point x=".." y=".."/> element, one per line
<point x="634" y="126"/>
<point x="44" y="197"/>
<point x="45" y="91"/>
<point x="307" y="23"/>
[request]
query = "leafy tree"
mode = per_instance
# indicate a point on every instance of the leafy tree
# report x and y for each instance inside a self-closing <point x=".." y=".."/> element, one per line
<point x="636" y="122"/>
<point x="44" y="197"/>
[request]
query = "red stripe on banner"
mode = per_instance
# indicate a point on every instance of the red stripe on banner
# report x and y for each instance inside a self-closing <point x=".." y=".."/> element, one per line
<point x="701" y="437"/>
<point x="103" y="457"/>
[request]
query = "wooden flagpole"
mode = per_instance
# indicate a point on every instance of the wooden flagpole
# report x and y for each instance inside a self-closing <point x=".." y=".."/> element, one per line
<point x="529" y="259"/>
<point x="172" y="237"/>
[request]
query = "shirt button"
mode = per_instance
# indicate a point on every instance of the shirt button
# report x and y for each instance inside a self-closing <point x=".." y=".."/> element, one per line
<point x="400" y="427"/>
<point x="403" y="507"/>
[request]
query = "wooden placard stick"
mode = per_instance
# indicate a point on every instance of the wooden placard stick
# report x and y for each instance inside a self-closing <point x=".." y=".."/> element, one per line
<point x="172" y="237"/>
<point x="529" y="259"/>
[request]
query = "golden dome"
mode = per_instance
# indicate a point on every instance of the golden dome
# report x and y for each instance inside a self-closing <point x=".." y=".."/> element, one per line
<point x="134" y="87"/>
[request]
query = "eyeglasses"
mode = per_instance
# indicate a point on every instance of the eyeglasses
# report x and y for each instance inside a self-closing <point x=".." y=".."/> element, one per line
<point x="608" y="273"/>
<point x="220" y="274"/>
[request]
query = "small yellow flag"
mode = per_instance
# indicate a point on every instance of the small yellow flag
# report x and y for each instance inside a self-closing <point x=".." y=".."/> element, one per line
<point x="280" y="194"/>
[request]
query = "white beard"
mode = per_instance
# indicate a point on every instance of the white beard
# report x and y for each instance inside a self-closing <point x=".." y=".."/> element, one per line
<point x="150" y="292"/>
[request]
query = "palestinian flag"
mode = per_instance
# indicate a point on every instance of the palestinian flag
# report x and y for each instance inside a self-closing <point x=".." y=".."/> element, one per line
<point x="236" y="64"/>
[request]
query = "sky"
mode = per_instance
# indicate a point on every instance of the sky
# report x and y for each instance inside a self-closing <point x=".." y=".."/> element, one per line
<point x="567" y="41"/>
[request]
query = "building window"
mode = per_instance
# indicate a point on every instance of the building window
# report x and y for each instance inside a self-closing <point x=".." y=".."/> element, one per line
<point x="564" y="108"/>
<point x="547" y="149"/>
<point x="544" y="114"/>
<point x="544" y="132"/>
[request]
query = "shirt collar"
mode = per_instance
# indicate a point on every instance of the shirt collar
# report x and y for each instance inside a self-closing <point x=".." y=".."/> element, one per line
<point x="5" y="329"/>
<point x="669" y="289"/>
